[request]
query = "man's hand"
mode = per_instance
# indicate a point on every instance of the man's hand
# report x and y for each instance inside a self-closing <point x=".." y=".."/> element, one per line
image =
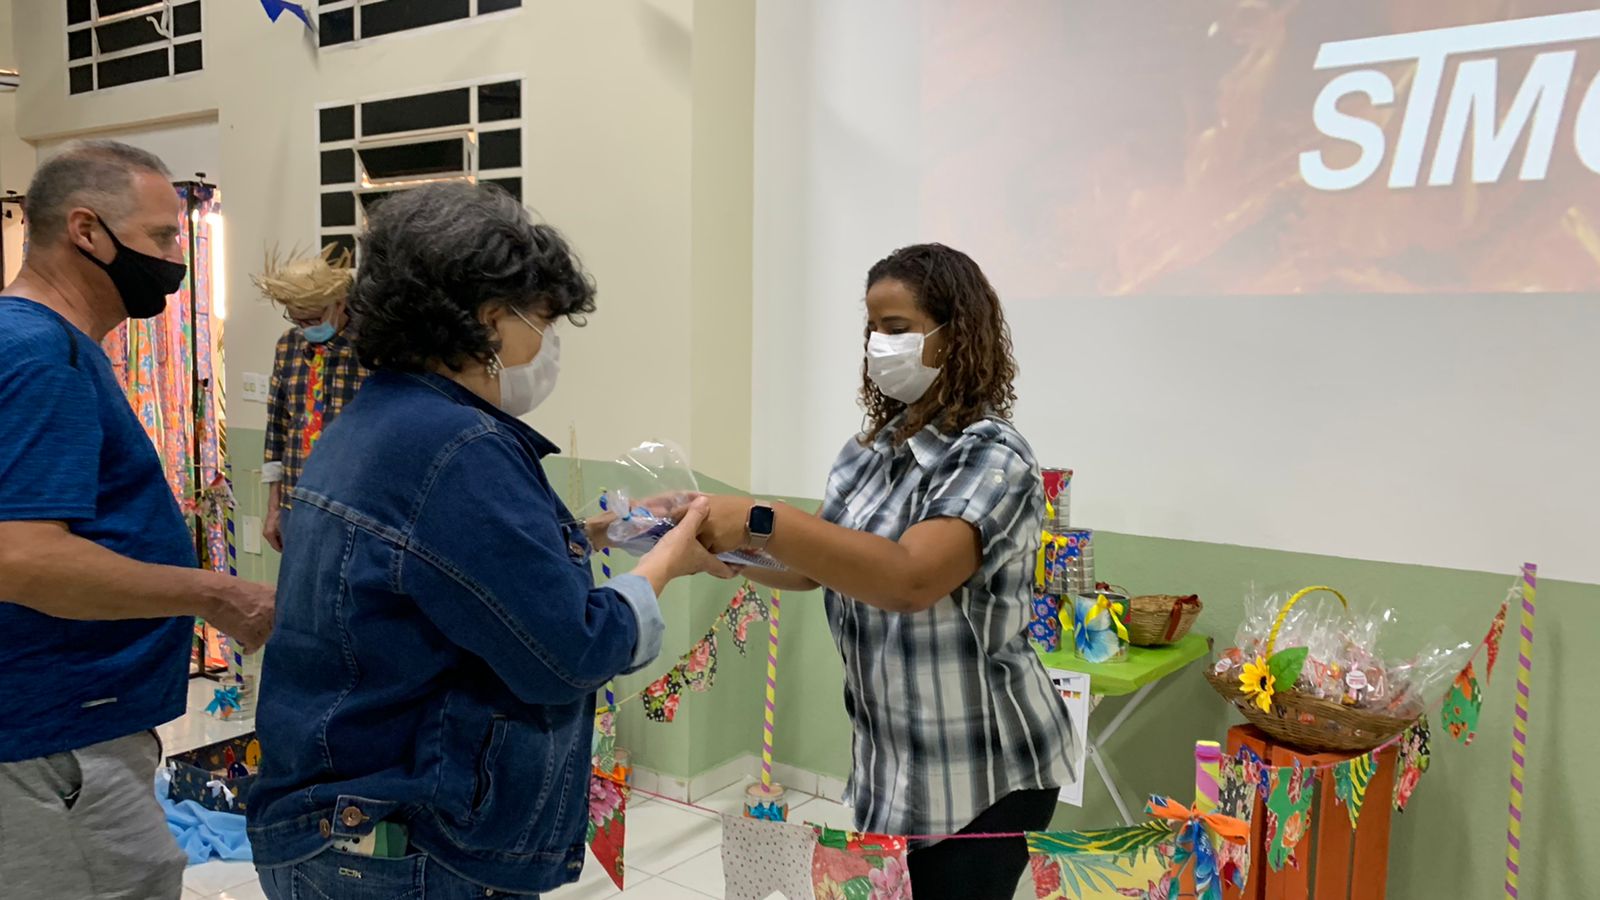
<point x="272" y="528"/>
<point x="243" y="610"/>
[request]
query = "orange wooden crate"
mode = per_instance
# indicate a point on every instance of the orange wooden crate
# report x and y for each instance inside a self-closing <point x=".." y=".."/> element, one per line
<point x="1342" y="864"/>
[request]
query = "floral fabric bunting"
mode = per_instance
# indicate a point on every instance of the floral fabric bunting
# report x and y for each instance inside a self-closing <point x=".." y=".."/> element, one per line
<point x="1350" y="780"/>
<point x="852" y="866"/>
<point x="1288" y="814"/>
<point x="700" y="664"/>
<point x="1462" y="706"/>
<point x="1414" y="758"/>
<point x="1491" y="642"/>
<point x="662" y="697"/>
<point x="608" y="804"/>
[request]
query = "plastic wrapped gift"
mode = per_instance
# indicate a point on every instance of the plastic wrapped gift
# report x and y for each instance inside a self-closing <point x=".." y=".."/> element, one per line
<point x="659" y="481"/>
<point x="1098" y="632"/>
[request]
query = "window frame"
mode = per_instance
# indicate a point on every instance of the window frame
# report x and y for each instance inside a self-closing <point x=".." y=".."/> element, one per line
<point x="362" y="185"/>
<point x="330" y="6"/>
<point x="162" y="9"/>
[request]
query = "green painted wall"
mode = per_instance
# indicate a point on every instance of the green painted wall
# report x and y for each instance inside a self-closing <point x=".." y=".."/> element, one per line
<point x="1449" y="844"/>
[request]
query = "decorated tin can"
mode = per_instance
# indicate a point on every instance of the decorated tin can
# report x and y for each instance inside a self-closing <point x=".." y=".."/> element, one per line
<point x="1058" y="494"/>
<point x="1099" y="630"/>
<point x="1072" y="571"/>
<point x="766" y="801"/>
<point x="1045" y="626"/>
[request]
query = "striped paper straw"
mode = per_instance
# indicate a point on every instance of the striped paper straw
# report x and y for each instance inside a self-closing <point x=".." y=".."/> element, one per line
<point x="1519" y="730"/>
<point x="605" y="552"/>
<point x="1207" y="774"/>
<point x="772" y="694"/>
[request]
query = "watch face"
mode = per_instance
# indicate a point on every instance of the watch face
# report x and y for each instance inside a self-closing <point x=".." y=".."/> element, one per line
<point x="761" y="518"/>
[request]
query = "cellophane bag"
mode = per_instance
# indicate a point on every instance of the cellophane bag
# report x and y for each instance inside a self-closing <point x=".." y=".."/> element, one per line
<point x="1344" y="663"/>
<point x="658" y="481"/>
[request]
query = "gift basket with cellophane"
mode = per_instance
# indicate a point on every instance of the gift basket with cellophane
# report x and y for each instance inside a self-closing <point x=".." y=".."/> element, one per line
<point x="1310" y="674"/>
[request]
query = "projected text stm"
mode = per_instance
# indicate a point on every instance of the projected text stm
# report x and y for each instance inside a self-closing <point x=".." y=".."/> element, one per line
<point x="1532" y="120"/>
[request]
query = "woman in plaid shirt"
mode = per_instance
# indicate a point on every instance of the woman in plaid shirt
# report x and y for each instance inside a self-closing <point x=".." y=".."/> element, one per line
<point x="925" y="546"/>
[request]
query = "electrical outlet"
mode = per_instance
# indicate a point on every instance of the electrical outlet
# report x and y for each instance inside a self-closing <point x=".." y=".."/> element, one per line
<point x="256" y="386"/>
<point x="250" y="531"/>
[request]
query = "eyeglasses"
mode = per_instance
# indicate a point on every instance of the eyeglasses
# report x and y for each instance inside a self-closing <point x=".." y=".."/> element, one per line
<point x="306" y="322"/>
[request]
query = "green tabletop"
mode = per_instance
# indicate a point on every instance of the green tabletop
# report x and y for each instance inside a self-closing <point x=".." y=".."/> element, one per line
<point x="1143" y="665"/>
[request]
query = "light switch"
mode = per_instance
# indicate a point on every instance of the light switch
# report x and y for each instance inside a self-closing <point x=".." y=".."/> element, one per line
<point x="256" y="386"/>
<point x="250" y="531"/>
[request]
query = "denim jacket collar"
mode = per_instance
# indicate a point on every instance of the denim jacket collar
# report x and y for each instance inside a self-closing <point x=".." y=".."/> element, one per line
<point x="542" y="446"/>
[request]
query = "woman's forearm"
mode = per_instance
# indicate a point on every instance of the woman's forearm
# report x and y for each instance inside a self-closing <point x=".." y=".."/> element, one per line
<point x="782" y="580"/>
<point x="898" y="576"/>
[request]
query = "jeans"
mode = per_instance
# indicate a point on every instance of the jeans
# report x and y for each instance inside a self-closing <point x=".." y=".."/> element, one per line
<point x="334" y="875"/>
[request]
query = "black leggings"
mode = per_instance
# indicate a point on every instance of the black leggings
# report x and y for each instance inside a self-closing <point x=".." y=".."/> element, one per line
<point x="983" y="869"/>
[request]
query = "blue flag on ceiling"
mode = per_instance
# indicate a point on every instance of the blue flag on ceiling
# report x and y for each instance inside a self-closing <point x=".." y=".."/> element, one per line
<point x="276" y="8"/>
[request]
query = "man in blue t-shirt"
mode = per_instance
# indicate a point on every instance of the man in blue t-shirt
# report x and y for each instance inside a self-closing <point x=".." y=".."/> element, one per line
<point x="98" y="584"/>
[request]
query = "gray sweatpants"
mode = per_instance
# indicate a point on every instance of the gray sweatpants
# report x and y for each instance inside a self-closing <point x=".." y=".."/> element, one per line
<point x="85" y="825"/>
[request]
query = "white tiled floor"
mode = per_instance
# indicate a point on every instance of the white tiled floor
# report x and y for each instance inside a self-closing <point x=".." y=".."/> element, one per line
<point x="197" y="729"/>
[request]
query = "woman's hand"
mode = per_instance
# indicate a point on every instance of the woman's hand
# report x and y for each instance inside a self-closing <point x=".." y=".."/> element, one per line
<point x="679" y="553"/>
<point x="727" y="523"/>
<point x="595" y="529"/>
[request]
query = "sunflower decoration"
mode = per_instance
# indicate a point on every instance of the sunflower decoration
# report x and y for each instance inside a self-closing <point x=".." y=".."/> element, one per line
<point x="1258" y="683"/>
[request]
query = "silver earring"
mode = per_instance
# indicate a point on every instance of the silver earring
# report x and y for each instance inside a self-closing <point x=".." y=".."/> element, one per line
<point x="495" y="365"/>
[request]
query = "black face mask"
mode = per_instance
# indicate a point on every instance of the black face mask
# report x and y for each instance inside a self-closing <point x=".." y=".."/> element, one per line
<point x="143" y="281"/>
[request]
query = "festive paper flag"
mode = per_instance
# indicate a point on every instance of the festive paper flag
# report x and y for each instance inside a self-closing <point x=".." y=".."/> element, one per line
<point x="859" y="866"/>
<point x="1462" y="706"/>
<point x="761" y="858"/>
<point x="700" y="664"/>
<point x="1288" y="814"/>
<point x="1415" y="755"/>
<point x="662" y="696"/>
<point x="1492" y="641"/>
<point x="276" y="8"/>
<point x="1350" y="779"/>
<point x="608" y="804"/>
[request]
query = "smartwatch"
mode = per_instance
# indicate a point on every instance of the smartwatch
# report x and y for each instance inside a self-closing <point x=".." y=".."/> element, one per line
<point x="758" y="528"/>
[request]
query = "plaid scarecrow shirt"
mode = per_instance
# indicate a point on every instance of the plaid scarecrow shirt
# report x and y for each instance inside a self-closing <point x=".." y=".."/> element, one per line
<point x="311" y="383"/>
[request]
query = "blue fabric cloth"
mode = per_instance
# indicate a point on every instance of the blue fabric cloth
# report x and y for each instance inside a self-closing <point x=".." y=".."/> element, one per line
<point x="439" y="641"/>
<point x="72" y="450"/>
<point x="202" y="833"/>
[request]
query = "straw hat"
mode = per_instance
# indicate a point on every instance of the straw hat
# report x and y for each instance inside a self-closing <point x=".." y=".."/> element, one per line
<point x="309" y="285"/>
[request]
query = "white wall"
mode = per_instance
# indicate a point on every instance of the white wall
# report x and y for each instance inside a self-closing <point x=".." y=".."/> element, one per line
<point x="188" y="148"/>
<point x="620" y="99"/>
<point x="1448" y="431"/>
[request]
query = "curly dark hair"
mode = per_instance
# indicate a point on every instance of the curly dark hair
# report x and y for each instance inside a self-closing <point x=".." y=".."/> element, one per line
<point x="978" y="372"/>
<point x="433" y="256"/>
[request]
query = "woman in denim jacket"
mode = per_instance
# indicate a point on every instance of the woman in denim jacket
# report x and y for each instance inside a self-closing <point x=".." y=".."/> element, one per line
<point x="427" y="700"/>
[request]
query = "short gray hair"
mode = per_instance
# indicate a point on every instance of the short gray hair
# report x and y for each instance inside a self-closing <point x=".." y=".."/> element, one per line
<point x="94" y="174"/>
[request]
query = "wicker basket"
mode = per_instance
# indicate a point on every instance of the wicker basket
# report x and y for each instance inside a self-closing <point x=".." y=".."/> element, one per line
<point x="1307" y="722"/>
<point x="1157" y="619"/>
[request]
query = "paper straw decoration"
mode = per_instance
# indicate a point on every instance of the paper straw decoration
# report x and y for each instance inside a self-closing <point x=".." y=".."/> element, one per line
<point x="1207" y="776"/>
<point x="772" y="693"/>
<point x="1519" y="730"/>
<point x="605" y="556"/>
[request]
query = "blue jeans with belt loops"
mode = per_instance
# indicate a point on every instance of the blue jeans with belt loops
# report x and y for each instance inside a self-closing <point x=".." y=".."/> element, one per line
<point x="335" y="875"/>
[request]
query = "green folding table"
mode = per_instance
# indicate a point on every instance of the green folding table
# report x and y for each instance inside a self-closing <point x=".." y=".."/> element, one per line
<point x="1138" y="675"/>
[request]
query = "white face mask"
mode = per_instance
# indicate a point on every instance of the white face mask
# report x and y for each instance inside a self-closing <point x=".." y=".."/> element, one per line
<point x="894" y="363"/>
<point x="524" y="387"/>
